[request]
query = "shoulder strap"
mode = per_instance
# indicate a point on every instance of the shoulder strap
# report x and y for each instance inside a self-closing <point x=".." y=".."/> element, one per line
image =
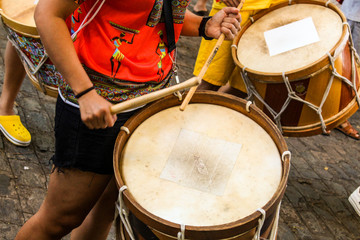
<point x="169" y="25"/>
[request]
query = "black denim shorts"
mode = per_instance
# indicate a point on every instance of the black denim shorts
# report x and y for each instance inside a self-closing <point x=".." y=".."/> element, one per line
<point x="77" y="146"/>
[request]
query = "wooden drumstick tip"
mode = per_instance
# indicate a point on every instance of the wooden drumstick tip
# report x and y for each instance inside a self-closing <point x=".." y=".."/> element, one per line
<point x="190" y="94"/>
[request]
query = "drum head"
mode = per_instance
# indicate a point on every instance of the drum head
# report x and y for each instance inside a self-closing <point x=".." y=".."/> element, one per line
<point x="253" y="52"/>
<point x="21" y="11"/>
<point x="206" y="166"/>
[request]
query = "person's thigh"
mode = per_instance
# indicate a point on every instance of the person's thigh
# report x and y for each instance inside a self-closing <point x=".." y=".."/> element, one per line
<point x="71" y="195"/>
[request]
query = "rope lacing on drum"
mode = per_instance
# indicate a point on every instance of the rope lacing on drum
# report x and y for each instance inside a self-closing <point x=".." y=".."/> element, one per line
<point x="251" y="91"/>
<point x="344" y="79"/>
<point x="261" y="223"/>
<point x="284" y="154"/>
<point x="125" y="129"/>
<point x="327" y="3"/>
<point x="181" y="234"/>
<point x="124" y="212"/>
<point x="290" y="2"/>
<point x="274" y="228"/>
<point x="317" y="109"/>
<point x="234" y="46"/>
<point x="248" y="103"/>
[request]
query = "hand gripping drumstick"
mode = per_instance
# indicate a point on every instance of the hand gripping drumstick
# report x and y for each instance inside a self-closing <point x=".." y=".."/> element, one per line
<point x="139" y="101"/>
<point x="206" y="66"/>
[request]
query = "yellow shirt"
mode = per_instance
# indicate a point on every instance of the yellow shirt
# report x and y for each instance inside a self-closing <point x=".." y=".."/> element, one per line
<point x="249" y="4"/>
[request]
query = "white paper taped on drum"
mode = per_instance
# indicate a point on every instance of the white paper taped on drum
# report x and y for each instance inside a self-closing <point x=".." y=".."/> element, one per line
<point x="307" y="90"/>
<point x="209" y="168"/>
<point x="18" y="21"/>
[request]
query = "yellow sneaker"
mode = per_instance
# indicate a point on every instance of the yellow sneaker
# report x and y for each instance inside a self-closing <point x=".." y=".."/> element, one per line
<point x="14" y="131"/>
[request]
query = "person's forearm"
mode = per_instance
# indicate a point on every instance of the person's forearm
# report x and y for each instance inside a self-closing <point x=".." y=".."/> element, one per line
<point x="50" y="21"/>
<point x="191" y="24"/>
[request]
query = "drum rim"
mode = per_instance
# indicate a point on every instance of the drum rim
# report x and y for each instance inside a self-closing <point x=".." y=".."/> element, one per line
<point x="295" y="74"/>
<point x="26" y="30"/>
<point x="224" y="230"/>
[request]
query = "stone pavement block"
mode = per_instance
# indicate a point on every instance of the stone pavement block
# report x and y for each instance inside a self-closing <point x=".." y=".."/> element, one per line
<point x="4" y="164"/>
<point x="335" y="204"/>
<point x="338" y="171"/>
<point x="303" y="167"/>
<point x="349" y="170"/>
<point x="293" y="196"/>
<point x="31" y="198"/>
<point x="10" y="211"/>
<point x="284" y="232"/>
<point x="44" y="142"/>
<point x="339" y="232"/>
<point x="322" y="170"/>
<point x="16" y="152"/>
<point x="38" y="123"/>
<point x="28" y="174"/>
<point x="337" y="189"/>
<point x="306" y="189"/>
<point x="7" y="187"/>
<point x="314" y="223"/>
<point x="7" y="230"/>
<point x="293" y="221"/>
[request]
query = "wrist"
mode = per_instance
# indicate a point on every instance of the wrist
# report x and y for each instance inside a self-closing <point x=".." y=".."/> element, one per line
<point x="202" y="28"/>
<point x="82" y="93"/>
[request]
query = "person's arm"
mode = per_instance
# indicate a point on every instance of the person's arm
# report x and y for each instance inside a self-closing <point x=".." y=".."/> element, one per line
<point x="50" y="19"/>
<point x="226" y="21"/>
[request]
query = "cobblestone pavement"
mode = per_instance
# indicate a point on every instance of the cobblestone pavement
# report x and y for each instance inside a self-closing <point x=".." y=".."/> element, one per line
<point x="324" y="170"/>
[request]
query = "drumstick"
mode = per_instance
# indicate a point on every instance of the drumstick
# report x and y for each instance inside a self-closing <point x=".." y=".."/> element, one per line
<point x="139" y="101"/>
<point x="206" y="65"/>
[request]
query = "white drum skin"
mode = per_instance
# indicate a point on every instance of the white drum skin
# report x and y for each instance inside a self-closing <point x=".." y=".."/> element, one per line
<point x="253" y="180"/>
<point x="253" y="52"/>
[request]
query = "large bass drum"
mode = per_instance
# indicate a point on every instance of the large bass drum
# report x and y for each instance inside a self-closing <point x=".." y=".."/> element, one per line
<point x="307" y="90"/>
<point x="217" y="170"/>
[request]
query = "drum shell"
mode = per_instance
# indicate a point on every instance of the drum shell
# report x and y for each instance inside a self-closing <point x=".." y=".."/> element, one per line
<point x="309" y="83"/>
<point x="244" y="225"/>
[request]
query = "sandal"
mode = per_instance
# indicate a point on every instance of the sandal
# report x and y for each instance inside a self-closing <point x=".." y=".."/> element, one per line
<point x="348" y="130"/>
<point x="14" y="130"/>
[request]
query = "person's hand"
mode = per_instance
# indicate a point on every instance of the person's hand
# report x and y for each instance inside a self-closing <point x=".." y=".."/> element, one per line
<point x="95" y="111"/>
<point x="231" y="3"/>
<point x="226" y="21"/>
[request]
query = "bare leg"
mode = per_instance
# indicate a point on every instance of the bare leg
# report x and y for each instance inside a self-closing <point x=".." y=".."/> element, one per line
<point x="13" y="78"/>
<point x="71" y="196"/>
<point x="200" y="5"/>
<point x="97" y="223"/>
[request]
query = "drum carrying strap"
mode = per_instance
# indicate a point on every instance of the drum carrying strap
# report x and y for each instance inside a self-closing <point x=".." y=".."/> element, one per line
<point x="124" y="213"/>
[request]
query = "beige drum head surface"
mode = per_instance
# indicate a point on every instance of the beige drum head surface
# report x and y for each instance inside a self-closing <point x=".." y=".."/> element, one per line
<point x="253" y="52"/>
<point x="20" y="10"/>
<point x="206" y="166"/>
